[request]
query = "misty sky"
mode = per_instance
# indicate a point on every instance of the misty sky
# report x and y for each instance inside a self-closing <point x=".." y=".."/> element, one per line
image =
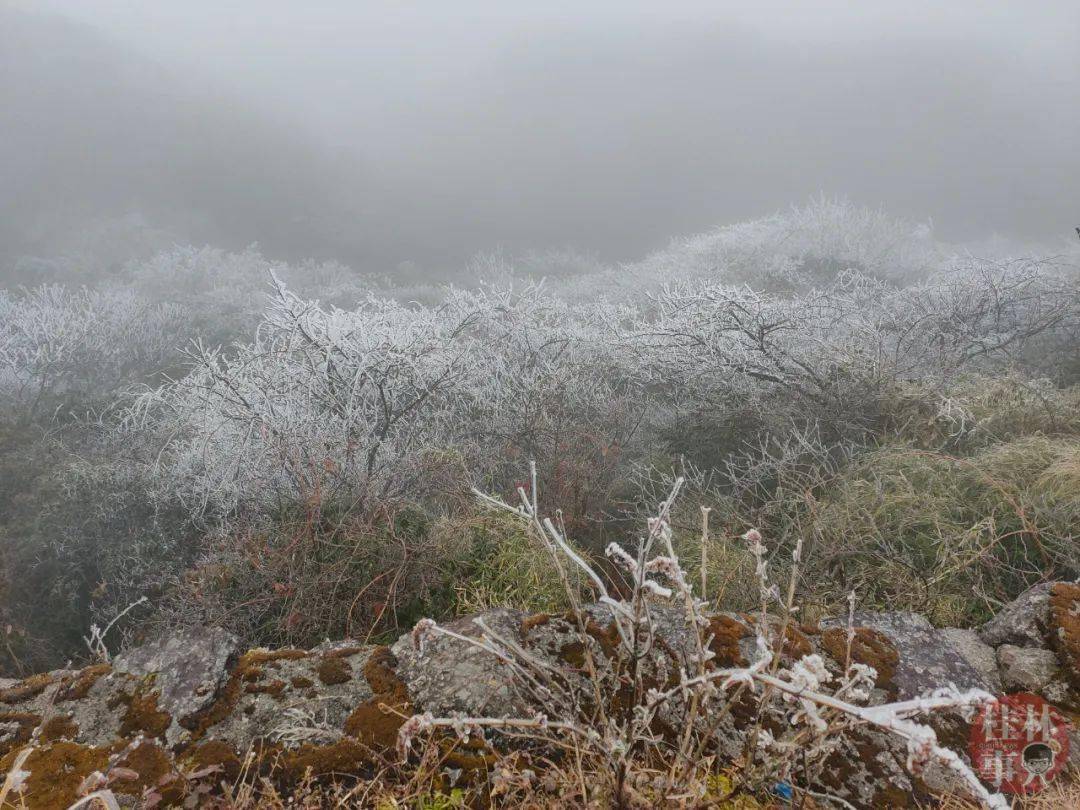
<point x="614" y="125"/>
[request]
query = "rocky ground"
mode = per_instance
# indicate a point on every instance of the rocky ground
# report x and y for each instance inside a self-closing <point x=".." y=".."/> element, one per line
<point x="158" y="715"/>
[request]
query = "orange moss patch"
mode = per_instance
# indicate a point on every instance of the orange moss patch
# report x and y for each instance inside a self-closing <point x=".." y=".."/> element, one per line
<point x="151" y="763"/>
<point x="869" y="647"/>
<point x="1065" y="627"/>
<point x="217" y="711"/>
<point x="274" y="688"/>
<point x="300" y="682"/>
<point x="80" y="686"/>
<point x="59" y="728"/>
<point x="273" y="657"/>
<point x="573" y="653"/>
<point x="726" y="632"/>
<point x="249" y="669"/>
<point x="56" y="771"/>
<point x="143" y="714"/>
<point x="471" y="757"/>
<point x="25" y="723"/>
<point x="796" y="644"/>
<point x="345" y="652"/>
<point x="334" y="670"/>
<point x="214" y="752"/>
<point x="345" y="757"/>
<point x="379" y="671"/>
<point x="376" y="721"/>
<point x="253" y="664"/>
<point x="606" y="636"/>
<point x="26" y="688"/>
<point x="531" y="622"/>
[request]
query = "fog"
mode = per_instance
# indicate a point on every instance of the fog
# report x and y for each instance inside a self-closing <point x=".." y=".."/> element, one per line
<point x="326" y="321"/>
<point x="384" y="133"/>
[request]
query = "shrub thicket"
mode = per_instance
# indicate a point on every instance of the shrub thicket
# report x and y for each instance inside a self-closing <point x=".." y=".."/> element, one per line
<point x="305" y="467"/>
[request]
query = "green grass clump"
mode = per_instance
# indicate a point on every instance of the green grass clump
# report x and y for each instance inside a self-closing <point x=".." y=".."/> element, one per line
<point x="503" y="564"/>
<point x="950" y="536"/>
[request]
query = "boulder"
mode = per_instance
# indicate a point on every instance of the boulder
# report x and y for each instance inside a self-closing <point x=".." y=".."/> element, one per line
<point x="446" y="675"/>
<point x="188" y="668"/>
<point x="980" y="655"/>
<point x="1024" y="622"/>
<point x="928" y="659"/>
<point x="1026" y="669"/>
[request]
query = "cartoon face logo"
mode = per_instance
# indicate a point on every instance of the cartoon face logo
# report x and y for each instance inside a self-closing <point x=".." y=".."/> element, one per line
<point x="1019" y="743"/>
<point x="1038" y="758"/>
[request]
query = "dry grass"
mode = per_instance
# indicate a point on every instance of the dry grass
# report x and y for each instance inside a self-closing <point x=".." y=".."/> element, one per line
<point x="1059" y="795"/>
<point x="952" y="537"/>
<point x="314" y="574"/>
<point x="513" y="781"/>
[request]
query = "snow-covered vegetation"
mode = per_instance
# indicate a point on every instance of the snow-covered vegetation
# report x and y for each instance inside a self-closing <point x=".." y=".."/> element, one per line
<point x="62" y="346"/>
<point x="282" y="448"/>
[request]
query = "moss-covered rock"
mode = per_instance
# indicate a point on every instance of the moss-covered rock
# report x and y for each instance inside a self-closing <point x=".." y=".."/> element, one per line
<point x="334" y="713"/>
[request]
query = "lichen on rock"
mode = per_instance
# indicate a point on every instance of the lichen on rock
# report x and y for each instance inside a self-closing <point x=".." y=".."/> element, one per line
<point x="1064" y="619"/>
<point x="335" y="712"/>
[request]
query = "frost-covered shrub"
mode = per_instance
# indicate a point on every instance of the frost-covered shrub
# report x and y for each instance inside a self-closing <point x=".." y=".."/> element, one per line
<point x="975" y="313"/>
<point x="187" y="272"/>
<point x="798" y="249"/>
<point x="374" y="403"/>
<point x="79" y="348"/>
<point x="549" y="385"/>
<point x="321" y="404"/>
<point x="739" y="362"/>
<point x="773" y="355"/>
<point x="226" y="292"/>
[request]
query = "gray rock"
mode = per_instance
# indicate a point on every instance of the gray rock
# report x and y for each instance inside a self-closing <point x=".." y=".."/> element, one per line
<point x="295" y="714"/>
<point x="928" y="659"/>
<point x="980" y="655"/>
<point x="189" y="666"/>
<point x="1023" y="622"/>
<point x="448" y="675"/>
<point x="328" y="703"/>
<point x="1072" y="764"/>
<point x="98" y="718"/>
<point x="1026" y="669"/>
<point x="868" y="769"/>
<point x="1060" y="692"/>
